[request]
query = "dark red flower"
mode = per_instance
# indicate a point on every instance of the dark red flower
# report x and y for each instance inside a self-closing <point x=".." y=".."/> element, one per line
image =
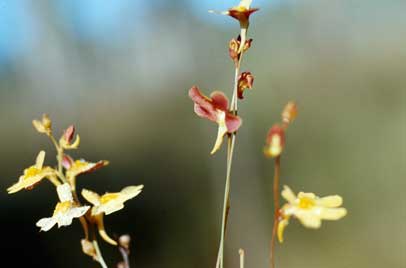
<point x="245" y="80"/>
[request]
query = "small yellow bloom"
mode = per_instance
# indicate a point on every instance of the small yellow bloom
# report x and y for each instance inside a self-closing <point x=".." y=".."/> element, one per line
<point x="107" y="204"/>
<point x="75" y="168"/>
<point x="64" y="211"/>
<point x="309" y="209"/>
<point x="110" y="202"/>
<point x="33" y="175"/>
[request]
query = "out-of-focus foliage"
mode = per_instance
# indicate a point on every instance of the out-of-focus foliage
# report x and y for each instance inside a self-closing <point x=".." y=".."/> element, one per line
<point x="121" y="74"/>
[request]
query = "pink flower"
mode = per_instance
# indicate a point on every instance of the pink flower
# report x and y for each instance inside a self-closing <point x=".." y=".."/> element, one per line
<point x="215" y="109"/>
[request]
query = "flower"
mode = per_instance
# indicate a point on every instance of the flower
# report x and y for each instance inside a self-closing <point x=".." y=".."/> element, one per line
<point x="64" y="211"/>
<point x="67" y="137"/>
<point x="33" y="175"/>
<point x="245" y="80"/>
<point x="289" y="113"/>
<point x="110" y="202"/>
<point x="77" y="167"/>
<point x="43" y="126"/>
<point x="275" y="141"/>
<point x="309" y="209"/>
<point x="234" y="48"/>
<point x="107" y="204"/>
<point x="242" y="12"/>
<point x="215" y="109"/>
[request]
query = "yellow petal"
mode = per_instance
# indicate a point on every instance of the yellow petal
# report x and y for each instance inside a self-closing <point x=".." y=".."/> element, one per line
<point x="131" y="191"/>
<point x="306" y="195"/>
<point x="91" y="197"/>
<point x="309" y="219"/>
<point x="281" y="228"/>
<point x="331" y="201"/>
<point x="333" y="213"/>
<point x="39" y="162"/>
<point x="288" y="194"/>
<point x="245" y="3"/>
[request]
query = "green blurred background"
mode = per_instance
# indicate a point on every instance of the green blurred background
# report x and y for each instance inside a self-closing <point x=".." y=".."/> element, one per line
<point x="120" y="71"/>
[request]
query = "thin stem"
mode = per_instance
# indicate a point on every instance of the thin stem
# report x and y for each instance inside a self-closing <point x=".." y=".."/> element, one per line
<point x="230" y="151"/>
<point x="226" y="203"/>
<point x="99" y="255"/>
<point x="276" y="207"/>
<point x="124" y="254"/>
<point x="59" y="157"/>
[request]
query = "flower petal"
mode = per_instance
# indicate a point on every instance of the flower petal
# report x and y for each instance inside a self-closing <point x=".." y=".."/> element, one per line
<point x="222" y="130"/>
<point x="203" y="105"/>
<point x="281" y="228"/>
<point x="46" y="224"/>
<point x="331" y="201"/>
<point x="40" y="160"/>
<point x="131" y="191"/>
<point x="64" y="192"/>
<point x="233" y="122"/>
<point x="288" y="194"/>
<point x="219" y="100"/>
<point x="309" y="219"/>
<point x="91" y="197"/>
<point x="333" y="213"/>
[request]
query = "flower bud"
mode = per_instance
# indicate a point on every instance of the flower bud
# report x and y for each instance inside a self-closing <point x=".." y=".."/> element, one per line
<point x="124" y="241"/>
<point x="275" y="141"/>
<point x="289" y="112"/>
<point x="44" y="126"/>
<point x="69" y="133"/>
<point x="88" y="248"/>
<point x="245" y="80"/>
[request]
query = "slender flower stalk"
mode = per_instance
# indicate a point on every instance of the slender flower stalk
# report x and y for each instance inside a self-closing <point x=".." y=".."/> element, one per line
<point x="242" y="256"/>
<point x="277" y="168"/>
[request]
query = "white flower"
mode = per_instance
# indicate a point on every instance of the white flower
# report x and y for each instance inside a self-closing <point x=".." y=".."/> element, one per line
<point x="64" y="211"/>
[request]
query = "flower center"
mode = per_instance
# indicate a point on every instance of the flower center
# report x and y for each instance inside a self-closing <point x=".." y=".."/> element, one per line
<point x="62" y="207"/>
<point x="80" y="163"/>
<point x="306" y="202"/>
<point x="108" y="197"/>
<point x="31" y="171"/>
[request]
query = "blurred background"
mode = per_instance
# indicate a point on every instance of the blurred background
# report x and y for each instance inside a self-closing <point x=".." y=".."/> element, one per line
<point x="120" y="71"/>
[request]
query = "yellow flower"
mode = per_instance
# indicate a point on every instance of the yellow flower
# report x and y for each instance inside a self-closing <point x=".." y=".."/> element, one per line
<point x="107" y="204"/>
<point x="110" y="202"/>
<point x="64" y="211"/>
<point x="309" y="209"/>
<point x="33" y="175"/>
<point x="75" y="168"/>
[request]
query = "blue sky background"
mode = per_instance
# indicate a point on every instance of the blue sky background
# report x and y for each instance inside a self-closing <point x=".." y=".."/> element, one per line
<point x="95" y="20"/>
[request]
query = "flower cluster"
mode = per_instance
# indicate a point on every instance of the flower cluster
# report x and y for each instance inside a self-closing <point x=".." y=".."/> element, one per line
<point x="64" y="177"/>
